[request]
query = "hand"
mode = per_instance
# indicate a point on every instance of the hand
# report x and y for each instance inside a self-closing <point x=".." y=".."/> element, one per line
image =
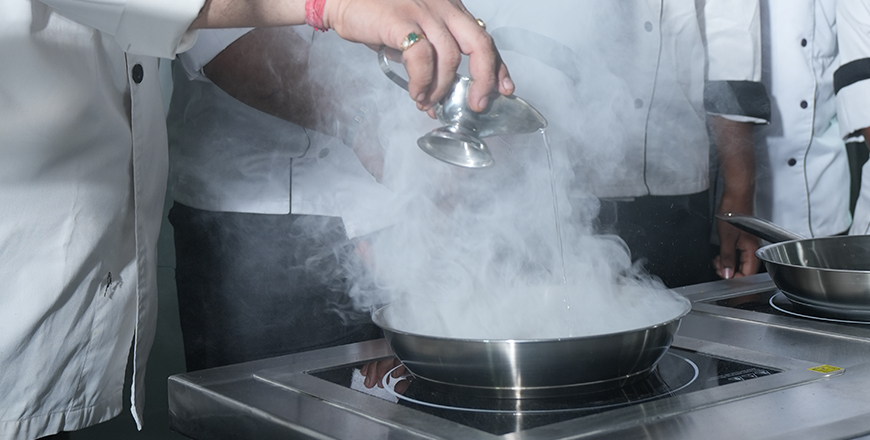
<point x="736" y="250"/>
<point x="431" y="63"/>
<point x="375" y="371"/>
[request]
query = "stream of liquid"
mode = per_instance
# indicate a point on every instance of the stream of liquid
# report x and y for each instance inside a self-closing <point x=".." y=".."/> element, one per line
<point x="558" y="223"/>
<point x="556" y="220"/>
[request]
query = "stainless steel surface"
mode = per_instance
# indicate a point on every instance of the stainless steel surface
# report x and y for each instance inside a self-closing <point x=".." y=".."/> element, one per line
<point x="277" y="398"/>
<point x="831" y="274"/>
<point x="532" y="368"/>
<point x="460" y="140"/>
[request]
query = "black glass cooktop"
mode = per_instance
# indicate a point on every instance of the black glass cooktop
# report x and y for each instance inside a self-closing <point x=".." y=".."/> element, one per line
<point x="678" y="372"/>
<point x="774" y="302"/>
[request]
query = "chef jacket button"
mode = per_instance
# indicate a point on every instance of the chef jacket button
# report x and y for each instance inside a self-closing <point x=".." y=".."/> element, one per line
<point x="648" y="26"/>
<point x="804" y="42"/>
<point x="792" y="162"/>
<point x="804" y="104"/>
<point x="638" y="103"/>
<point x="138" y="73"/>
<point x="323" y="153"/>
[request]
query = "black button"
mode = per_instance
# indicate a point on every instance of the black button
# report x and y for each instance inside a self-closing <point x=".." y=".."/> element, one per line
<point x="138" y="73"/>
<point x="638" y="103"/>
<point x="792" y="162"/>
<point x="804" y="42"/>
<point x="804" y="104"/>
<point x="648" y="26"/>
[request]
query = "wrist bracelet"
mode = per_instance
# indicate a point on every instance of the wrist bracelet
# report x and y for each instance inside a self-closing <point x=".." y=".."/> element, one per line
<point x="314" y="14"/>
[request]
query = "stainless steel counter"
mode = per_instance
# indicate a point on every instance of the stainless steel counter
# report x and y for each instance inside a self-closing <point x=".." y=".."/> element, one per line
<point x="281" y="398"/>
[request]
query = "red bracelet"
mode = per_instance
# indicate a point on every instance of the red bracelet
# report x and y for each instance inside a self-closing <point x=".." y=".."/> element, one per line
<point x="314" y="14"/>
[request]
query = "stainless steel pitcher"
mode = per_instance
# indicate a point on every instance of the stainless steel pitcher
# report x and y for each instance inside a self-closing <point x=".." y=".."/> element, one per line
<point x="460" y="140"/>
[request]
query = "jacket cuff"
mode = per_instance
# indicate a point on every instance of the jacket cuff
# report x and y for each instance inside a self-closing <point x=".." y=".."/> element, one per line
<point x="853" y="112"/>
<point x="737" y="98"/>
<point x="851" y="72"/>
<point x="157" y="27"/>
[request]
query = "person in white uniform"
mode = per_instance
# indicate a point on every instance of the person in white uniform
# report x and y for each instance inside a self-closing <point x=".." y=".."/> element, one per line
<point x="642" y="79"/>
<point x="852" y="86"/>
<point x="83" y="177"/>
<point x="258" y="259"/>
<point x="803" y="179"/>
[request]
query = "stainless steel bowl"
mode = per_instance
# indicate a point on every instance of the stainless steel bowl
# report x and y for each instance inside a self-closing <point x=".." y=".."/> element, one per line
<point x="532" y="368"/>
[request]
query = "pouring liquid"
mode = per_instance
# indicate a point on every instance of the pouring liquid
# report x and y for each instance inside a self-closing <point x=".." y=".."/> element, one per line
<point x="556" y="220"/>
<point x="558" y="223"/>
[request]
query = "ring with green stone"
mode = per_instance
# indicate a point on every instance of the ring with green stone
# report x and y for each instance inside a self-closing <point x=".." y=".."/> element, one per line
<point x="410" y="40"/>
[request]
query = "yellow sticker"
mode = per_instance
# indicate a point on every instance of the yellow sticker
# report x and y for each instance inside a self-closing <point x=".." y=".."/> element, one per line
<point x="825" y="369"/>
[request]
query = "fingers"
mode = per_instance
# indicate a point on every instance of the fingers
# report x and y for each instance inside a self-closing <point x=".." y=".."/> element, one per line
<point x="726" y="261"/>
<point x="430" y="73"/>
<point x="487" y="70"/>
<point x="431" y="63"/>
<point x="749" y="263"/>
<point x="375" y="371"/>
<point x="736" y="253"/>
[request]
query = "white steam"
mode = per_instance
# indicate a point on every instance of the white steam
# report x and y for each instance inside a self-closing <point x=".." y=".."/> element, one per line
<point x="474" y="253"/>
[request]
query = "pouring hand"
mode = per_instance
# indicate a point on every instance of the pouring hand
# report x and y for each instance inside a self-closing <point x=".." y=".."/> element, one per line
<point x="449" y="29"/>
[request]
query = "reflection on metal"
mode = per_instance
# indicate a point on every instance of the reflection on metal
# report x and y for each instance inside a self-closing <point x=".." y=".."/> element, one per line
<point x="460" y="141"/>
<point x="780" y="302"/>
<point x="680" y="373"/>
<point x="304" y="395"/>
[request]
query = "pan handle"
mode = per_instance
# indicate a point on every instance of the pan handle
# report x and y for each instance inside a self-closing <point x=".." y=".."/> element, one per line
<point x="760" y="228"/>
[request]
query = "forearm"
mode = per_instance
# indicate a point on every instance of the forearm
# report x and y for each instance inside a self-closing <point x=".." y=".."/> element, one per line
<point x="269" y="69"/>
<point x="250" y="13"/>
<point x="736" y="155"/>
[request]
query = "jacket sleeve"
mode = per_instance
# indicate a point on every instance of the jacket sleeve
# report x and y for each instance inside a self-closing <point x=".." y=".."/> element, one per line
<point x="142" y="27"/>
<point x="209" y="43"/>
<point x="732" y="30"/>
<point x="852" y="78"/>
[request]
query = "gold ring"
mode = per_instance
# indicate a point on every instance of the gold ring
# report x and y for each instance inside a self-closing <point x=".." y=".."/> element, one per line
<point x="481" y="24"/>
<point x="410" y="40"/>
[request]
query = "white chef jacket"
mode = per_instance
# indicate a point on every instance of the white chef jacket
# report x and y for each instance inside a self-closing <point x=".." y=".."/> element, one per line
<point x="852" y="85"/>
<point x="802" y="166"/>
<point x="226" y="156"/>
<point x="81" y="188"/>
<point x="634" y="115"/>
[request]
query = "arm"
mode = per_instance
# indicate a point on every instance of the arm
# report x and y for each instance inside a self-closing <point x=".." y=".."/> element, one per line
<point x="449" y="28"/>
<point x="163" y="28"/>
<point x="736" y="155"/>
<point x="734" y="88"/>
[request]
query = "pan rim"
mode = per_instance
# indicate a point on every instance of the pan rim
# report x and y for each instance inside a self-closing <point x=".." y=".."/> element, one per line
<point x="379" y="312"/>
<point x="760" y="254"/>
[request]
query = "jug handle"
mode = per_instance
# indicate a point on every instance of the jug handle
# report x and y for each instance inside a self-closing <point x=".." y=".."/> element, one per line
<point x="385" y="67"/>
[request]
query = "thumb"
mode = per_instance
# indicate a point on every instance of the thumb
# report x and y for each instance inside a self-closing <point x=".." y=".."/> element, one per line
<point x="727" y="258"/>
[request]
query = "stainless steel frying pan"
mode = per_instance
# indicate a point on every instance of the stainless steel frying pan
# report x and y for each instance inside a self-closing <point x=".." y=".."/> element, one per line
<point x="515" y="369"/>
<point x="829" y="274"/>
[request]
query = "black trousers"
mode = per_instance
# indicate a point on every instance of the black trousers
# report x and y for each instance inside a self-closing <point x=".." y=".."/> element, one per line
<point x="670" y="233"/>
<point x="252" y="286"/>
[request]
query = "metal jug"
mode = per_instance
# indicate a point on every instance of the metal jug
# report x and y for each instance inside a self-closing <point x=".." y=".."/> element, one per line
<point x="460" y="140"/>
